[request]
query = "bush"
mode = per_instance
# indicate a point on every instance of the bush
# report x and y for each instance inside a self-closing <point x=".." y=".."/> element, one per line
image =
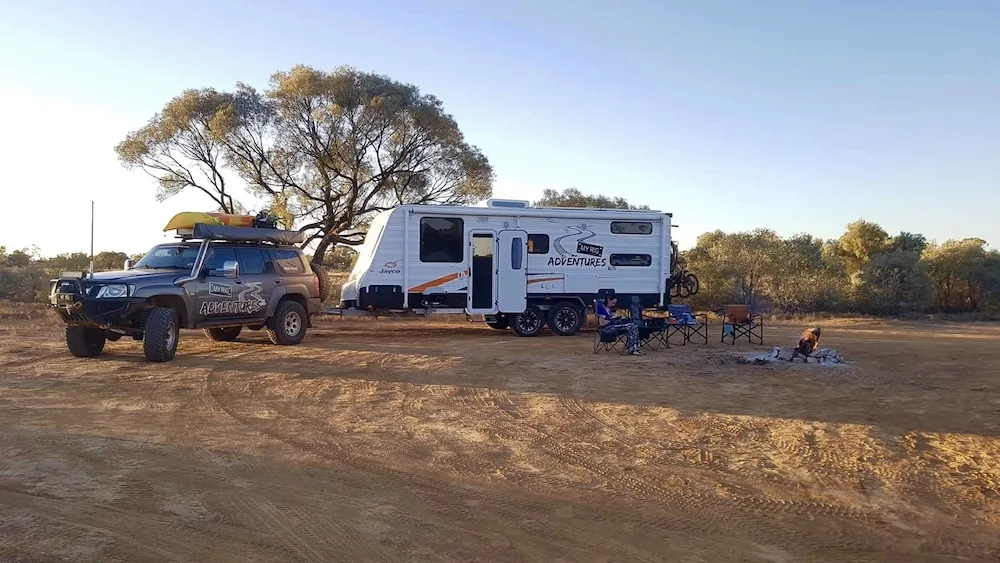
<point x="27" y="284"/>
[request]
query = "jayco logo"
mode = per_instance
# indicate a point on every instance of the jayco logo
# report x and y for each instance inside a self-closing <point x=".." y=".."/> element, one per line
<point x="390" y="268"/>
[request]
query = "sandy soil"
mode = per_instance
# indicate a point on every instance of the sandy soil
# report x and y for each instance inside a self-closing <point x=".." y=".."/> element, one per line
<point x="396" y="441"/>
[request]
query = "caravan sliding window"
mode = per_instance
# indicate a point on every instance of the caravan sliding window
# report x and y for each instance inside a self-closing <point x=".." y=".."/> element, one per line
<point x="538" y="244"/>
<point x="631" y="228"/>
<point x="631" y="260"/>
<point x="442" y="239"/>
<point x="515" y="253"/>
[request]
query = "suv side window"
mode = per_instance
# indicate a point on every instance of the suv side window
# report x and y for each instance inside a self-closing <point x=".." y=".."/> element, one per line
<point x="287" y="261"/>
<point x="217" y="256"/>
<point x="253" y="261"/>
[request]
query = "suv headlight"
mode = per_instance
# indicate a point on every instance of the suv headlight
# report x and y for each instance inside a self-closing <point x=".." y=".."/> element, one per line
<point x="114" y="291"/>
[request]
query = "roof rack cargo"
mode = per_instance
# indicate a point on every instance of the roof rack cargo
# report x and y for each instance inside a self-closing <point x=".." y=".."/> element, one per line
<point x="246" y="234"/>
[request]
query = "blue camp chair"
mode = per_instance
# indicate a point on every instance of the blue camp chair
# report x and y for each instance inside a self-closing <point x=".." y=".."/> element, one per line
<point x="686" y="323"/>
<point x="608" y="340"/>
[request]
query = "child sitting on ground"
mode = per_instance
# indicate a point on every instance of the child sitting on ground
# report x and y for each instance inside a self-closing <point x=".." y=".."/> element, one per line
<point x="808" y="343"/>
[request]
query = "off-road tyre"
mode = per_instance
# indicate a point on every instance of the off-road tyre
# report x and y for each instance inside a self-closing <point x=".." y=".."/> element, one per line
<point x="529" y="323"/>
<point x="324" y="282"/>
<point x="161" y="334"/>
<point x="85" y="342"/>
<point x="223" y="334"/>
<point x="566" y="319"/>
<point x="501" y="322"/>
<point x="287" y="326"/>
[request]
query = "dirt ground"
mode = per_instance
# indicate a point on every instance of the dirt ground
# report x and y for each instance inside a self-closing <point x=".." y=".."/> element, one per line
<point x="418" y="441"/>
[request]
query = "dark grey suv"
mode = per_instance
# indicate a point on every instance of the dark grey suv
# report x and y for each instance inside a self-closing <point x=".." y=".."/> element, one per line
<point x="219" y="279"/>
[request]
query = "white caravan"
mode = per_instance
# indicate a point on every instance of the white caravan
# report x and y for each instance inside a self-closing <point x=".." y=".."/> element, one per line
<point x="517" y="265"/>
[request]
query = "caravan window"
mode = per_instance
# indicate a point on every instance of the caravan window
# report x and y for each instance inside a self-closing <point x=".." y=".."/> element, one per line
<point x="442" y="239"/>
<point x="631" y="228"/>
<point x="515" y="253"/>
<point x="631" y="260"/>
<point x="538" y="244"/>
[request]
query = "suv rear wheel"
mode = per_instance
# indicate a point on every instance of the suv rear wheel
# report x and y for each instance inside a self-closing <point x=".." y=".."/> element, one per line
<point x="288" y="324"/>
<point x="223" y="334"/>
<point x="85" y="342"/>
<point x="160" y="335"/>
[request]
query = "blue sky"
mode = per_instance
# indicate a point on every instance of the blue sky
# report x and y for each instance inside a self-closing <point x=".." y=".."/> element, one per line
<point x="798" y="116"/>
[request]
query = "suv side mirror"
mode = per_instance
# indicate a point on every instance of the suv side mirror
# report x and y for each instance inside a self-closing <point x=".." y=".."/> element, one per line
<point x="230" y="269"/>
<point x="128" y="263"/>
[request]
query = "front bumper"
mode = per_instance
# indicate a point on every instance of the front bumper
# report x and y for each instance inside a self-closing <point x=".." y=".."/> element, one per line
<point x="82" y="310"/>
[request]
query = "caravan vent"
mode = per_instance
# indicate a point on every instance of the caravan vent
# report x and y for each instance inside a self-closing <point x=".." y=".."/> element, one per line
<point x="507" y="203"/>
<point x="481" y="219"/>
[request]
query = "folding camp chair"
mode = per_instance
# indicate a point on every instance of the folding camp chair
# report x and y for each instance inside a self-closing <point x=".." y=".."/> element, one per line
<point x="686" y="323"/>
<point x="652" y="330"/>
<point x="608" y="341"/>
<point x="739" y="321"/>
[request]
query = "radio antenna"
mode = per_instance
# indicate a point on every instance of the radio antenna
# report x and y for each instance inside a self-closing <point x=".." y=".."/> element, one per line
<point x="91" y="238"/>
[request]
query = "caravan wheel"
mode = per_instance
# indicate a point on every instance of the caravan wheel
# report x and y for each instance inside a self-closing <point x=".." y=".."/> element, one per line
<point x="565" y="319"/>
<point x="529" y="323"/>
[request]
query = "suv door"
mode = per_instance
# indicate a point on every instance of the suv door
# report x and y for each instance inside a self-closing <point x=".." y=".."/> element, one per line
<point x="295" y="272"/>
<point x="256" y="281"/>
<point x="221" y="298"/>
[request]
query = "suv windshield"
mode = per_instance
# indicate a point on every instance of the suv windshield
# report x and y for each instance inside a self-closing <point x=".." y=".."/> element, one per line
<point x="169" y="257"/>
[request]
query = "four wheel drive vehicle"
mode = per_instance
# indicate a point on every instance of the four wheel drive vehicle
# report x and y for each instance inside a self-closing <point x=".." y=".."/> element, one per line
<point x="219" y="279"/>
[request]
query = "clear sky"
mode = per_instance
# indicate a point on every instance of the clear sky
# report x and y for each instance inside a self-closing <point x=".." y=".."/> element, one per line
<point x="798" y="116"/>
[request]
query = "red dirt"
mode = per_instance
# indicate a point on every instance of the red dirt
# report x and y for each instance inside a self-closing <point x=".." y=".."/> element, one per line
<point x="394" y="441"/>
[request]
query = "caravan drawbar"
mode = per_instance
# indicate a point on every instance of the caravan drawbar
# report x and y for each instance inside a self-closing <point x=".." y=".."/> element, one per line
<point x="519" y="266"/>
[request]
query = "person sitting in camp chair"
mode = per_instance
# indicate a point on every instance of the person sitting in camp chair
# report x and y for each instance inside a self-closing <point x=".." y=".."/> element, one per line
<point x="609" y="324"/>
<point x="808" y="344"/>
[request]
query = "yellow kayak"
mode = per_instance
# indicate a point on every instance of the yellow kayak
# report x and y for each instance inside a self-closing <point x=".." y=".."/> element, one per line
<point x="188" y="219"/>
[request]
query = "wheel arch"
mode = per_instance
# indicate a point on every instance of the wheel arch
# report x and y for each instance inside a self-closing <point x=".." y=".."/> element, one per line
<point x="296" y="293"/>
<point x="175" y="302"/>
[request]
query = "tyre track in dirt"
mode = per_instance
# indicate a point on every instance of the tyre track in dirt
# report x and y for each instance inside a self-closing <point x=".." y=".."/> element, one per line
<point x="685" y="510"/>
<point x="822" y="462"/>
<point x="503" y="415"/>
<point x="270" y="518"/>
<point x="431" y="490"/>
<point x="713" y="512"/>
<point x="104" y="521"/>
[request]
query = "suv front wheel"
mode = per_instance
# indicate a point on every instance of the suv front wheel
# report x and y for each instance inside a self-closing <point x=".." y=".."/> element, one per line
<point x="160" y="335"/>
<point x="288" y="324"/>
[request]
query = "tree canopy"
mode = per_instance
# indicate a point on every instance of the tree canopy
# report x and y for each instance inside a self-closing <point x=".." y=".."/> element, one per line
<point x="864" y="271"/>
<point x="572" y="197"/>
<point x="326" y="150"/>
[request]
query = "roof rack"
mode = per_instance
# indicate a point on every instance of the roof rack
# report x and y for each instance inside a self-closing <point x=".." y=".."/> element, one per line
<point x="205" y="231"/>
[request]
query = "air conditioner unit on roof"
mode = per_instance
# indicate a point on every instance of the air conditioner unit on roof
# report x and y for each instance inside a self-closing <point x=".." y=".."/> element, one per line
<point x="507" y="203"/>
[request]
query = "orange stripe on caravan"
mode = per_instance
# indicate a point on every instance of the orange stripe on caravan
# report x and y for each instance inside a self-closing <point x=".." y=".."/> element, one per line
<point x="438" y="281"/>
<point x="540" y="280"/>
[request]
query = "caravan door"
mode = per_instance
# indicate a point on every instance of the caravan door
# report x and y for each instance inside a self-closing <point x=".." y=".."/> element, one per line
<point x="482" y="288"/>
<point x="512" y="271"/>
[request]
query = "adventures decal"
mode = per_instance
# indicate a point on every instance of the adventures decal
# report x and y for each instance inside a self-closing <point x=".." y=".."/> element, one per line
<point x="247" y="302"/>
<point x="586" y="255"/>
